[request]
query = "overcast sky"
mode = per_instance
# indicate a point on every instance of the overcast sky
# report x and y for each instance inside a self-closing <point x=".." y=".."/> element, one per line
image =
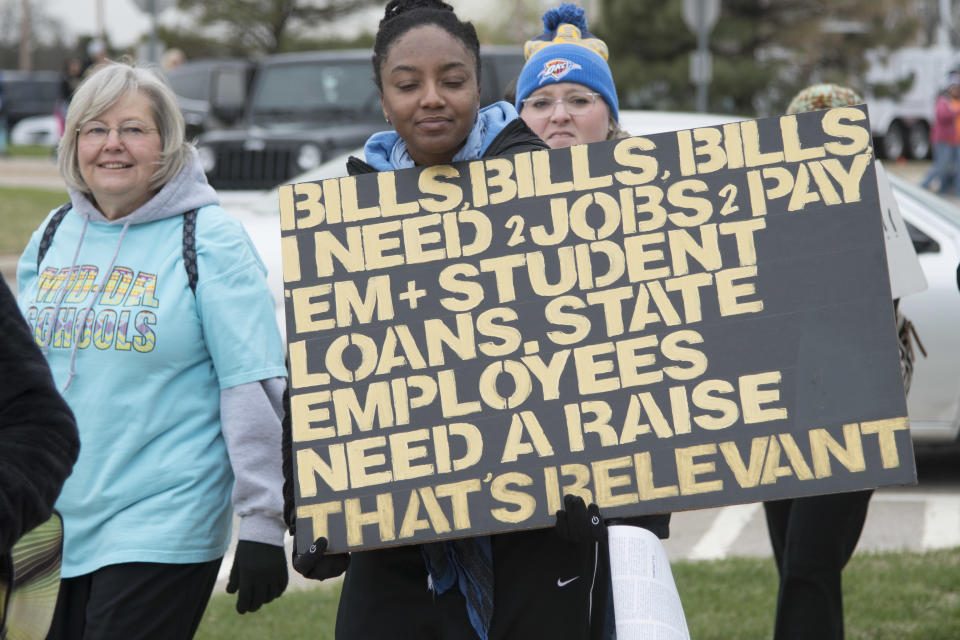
<point x="125" y="23"/>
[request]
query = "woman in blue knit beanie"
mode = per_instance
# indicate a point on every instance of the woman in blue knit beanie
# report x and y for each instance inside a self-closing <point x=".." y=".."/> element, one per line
<point x="565" y="94"/>
<point x="565" y="91"/>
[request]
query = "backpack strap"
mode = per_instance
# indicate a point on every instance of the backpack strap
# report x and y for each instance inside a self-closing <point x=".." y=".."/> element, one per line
<point x="49" y="230"/>
<point x="190" y="248"/>
<point x="189" y="242"/>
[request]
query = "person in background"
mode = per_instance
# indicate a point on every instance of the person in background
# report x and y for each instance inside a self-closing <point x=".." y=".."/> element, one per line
<point x="3" y="120"/>
<point x="945" y="137"/>
<point x="172" y="58"/>
<point x="565" y="94"/>
<point x="38" y="446"/>
<point x="152" y="308"/>
<point x="427" y="68"/>
<point x="565" y="91"/>
<point x="70" y="78"/>
<point x="96" y="56"/>
<point x="38" y="433"/>
<point x="813" y="538"/>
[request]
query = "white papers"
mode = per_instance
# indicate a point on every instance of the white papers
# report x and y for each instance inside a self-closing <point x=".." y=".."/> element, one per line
<point x="906" y="274"/>
<point x="645" y="599"/>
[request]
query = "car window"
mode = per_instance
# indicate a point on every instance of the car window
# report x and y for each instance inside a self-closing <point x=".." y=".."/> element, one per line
<point x="496" y="73"/>
<point x="229" y="87"/>
<point x="922" y="243"/>
<point x="328" y="88"/>
<point x="190" y="83"/>
<point x="29" y="94"/>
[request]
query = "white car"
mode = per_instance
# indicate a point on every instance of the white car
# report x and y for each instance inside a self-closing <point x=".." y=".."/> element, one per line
<point x="934" y="224"/>
<point x="42" y="130"/>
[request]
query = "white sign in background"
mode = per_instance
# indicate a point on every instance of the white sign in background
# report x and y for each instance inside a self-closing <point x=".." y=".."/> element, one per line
<point x="906" y="275"/>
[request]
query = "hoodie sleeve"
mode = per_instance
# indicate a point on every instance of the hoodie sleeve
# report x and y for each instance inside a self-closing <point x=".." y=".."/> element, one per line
<point x="242" y="337"/>
<point x="250" y="416"/>
<point x="38" y="434"/>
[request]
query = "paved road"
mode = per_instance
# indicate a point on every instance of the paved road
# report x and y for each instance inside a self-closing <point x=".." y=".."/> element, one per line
<point x="40" y="173"/>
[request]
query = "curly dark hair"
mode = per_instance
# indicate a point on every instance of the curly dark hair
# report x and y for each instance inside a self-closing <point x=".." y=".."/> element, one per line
<point x="402" y="15"/>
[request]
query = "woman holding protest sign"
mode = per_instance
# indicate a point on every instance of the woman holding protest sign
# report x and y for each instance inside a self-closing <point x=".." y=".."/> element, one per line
<point x="152" y="308"/>
<point x="426" y="67"/>
<point x="565" y="94"/>
<point x="814" y="537"/>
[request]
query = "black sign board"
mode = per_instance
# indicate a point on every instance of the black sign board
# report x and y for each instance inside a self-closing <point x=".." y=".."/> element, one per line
<point x="685" y="320"/>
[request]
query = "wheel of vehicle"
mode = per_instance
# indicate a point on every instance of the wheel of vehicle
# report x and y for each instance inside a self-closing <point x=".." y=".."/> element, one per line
<point x="895" y="141"/>
<point x="919" y="146"/>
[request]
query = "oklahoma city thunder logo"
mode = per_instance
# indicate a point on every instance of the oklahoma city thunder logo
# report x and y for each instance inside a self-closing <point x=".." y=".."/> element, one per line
<point x="556" y="69"/>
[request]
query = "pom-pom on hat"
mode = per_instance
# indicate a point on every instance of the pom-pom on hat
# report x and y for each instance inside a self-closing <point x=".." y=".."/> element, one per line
<point x="823" y="96"/>
<point x="567" y="52"/>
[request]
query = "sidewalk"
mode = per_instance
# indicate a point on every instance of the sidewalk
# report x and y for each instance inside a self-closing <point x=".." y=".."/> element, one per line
<point x="39" y="173"/>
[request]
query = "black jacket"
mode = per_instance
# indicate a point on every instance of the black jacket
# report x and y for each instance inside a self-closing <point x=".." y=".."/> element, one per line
<point x="38" y="435"/>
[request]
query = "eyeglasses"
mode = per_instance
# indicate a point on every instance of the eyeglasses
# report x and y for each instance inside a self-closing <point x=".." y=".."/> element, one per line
<point x="576" y="104"/>
<point x="130" y="132"/>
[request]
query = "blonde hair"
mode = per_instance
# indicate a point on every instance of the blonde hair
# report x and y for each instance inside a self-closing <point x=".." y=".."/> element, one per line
<point x="103" y="89"/>
<point x="614" y="132"/>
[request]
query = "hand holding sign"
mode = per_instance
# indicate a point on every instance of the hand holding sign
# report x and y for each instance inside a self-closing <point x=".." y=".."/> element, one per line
<point x="314" y="564"/>
<point x="577" y="522"/>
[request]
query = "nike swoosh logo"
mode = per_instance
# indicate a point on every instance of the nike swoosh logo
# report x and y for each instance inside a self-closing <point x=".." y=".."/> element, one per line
<point x="563" y="583"/>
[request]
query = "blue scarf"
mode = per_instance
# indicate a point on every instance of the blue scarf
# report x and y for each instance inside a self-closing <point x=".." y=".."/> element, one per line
<point x="467" y="562"/>
<point x="387" y="151"/>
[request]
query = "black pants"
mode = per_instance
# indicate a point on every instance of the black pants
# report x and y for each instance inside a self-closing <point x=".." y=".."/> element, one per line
<point x="137" y="600"/>
<point x="544" y="587"/>
<point x="813" y="538"/>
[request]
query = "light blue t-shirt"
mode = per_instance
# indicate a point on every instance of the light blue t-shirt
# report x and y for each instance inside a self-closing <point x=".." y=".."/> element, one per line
<point x="153" y="480"/>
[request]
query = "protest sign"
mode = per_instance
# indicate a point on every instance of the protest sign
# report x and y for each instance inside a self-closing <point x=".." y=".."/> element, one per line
<point x="658" y="323"/>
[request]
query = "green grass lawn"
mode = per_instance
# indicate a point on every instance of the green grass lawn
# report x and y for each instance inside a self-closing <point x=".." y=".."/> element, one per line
<point x="887" y="596"/>
<point x="21" y="212"/>
<point x="29" y="150"/>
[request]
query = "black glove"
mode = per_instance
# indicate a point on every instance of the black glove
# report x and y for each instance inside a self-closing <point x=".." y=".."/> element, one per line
<point x="259" y="573"/>
<point x="315" y="565"/>
<point x="578" y="523"/>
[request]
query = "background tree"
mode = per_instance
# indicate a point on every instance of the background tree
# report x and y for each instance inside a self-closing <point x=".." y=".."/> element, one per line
<point x="764" y="51"/>
<point x="251" y="27"/>
<point x="48" y="48"/>
<point x="512" y="21"/>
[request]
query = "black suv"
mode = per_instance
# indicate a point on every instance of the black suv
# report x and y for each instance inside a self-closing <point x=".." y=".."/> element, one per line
<point x="212" y="92"/>
<point x="28" y="93"/>
<point x="304" y="108"/>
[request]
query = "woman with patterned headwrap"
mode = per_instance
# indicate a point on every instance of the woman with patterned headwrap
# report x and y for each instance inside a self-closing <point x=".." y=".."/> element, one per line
<point x="813" y="538"/>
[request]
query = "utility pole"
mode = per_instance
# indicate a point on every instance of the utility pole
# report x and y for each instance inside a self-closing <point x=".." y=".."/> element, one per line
<point x="101" y="28"/>
<point x="700" y="16"/>
<point x="945" y="24"/>
<point x="26" y="38"/>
